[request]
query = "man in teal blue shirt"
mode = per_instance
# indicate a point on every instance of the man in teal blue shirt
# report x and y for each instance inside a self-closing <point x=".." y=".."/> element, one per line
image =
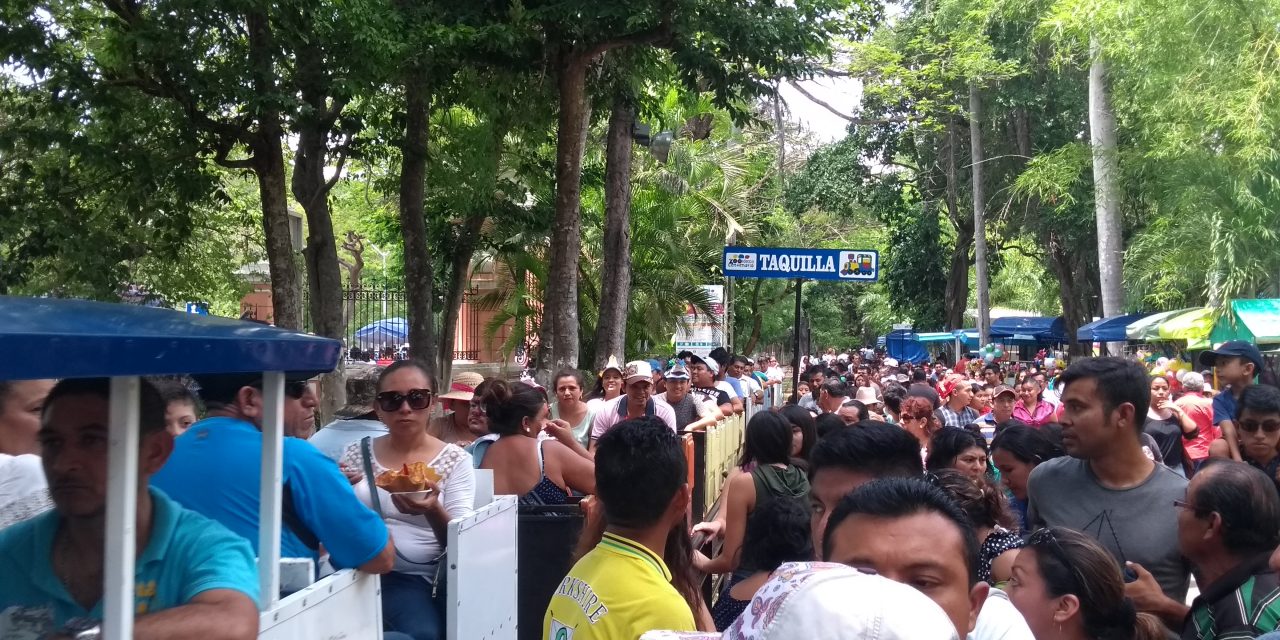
<point x="194" y="578"/>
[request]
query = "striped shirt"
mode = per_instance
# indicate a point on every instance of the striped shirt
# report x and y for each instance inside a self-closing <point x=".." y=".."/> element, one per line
<point x="1243" y="603"/>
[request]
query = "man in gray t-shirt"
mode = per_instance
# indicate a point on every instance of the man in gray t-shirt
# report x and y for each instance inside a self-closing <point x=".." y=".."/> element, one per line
<point x="1138" y="524"/>
<point x="1108" y="487"/>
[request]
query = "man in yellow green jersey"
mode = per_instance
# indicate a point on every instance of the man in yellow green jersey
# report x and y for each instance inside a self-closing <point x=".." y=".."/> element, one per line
<point x="622" y="588"/>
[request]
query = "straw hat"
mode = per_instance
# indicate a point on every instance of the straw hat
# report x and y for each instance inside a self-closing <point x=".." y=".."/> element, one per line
<point x="463" y="386"/>
<point x="867" y="396"/>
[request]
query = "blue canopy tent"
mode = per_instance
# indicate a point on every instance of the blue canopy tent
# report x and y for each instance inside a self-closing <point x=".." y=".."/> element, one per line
<point x="905" y="346"/>
<point x="970" y="337"/>
<point x="1108" y="329"/>
<point x="1029" y="329"/>
<point x="389" y="331"/>
<point x="52" y="338"/>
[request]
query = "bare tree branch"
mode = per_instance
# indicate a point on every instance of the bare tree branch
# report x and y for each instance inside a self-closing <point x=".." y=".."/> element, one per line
<point x="853" y="119"/>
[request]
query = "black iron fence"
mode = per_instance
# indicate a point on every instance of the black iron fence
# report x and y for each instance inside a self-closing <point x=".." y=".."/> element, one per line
<point x="376" y="320"/>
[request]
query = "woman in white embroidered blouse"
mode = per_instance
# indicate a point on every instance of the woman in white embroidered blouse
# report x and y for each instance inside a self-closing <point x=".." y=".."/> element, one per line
<point x="418" y="525"/>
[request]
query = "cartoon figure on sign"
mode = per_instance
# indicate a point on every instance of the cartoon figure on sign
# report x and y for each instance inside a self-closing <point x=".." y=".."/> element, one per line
<point x="857" y="265"/>
<point x="849" y="268"/>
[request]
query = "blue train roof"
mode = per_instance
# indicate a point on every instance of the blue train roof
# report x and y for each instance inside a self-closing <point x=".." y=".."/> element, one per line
<point x="49" y="338"/>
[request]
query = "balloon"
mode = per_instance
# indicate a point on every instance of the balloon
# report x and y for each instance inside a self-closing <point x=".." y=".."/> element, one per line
<point x="1050" y="362"/>
<point x="1162" y="361"/>
<point x="999" y="353"/>
<point x="989" y="358"/>
<point x="1158" y="371"/>
<point x="1181" y="374"/>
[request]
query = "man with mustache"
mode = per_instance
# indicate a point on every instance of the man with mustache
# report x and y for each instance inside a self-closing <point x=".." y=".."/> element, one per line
<point x="195" y="578"/>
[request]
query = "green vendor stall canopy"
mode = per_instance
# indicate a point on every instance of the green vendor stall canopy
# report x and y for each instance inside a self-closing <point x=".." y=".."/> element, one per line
<point x="1148" y="328"/>
<point x="1192" y="326"/>
<point x="1256" y="321"/>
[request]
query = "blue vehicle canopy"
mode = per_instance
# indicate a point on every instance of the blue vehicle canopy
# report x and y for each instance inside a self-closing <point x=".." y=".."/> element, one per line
<point x="53" y="338"/>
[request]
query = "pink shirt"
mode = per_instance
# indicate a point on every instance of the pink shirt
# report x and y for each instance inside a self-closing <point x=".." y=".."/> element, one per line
<point x="1042" y="415"/>
<point x="615" y="411"/>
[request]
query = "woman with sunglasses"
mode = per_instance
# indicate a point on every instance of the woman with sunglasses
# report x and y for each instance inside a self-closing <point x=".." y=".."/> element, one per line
<point x="418" y="523"/>
<point x="917" y="418"/>
<point x="542" y="471"/>
<point x="1068" y="587"/>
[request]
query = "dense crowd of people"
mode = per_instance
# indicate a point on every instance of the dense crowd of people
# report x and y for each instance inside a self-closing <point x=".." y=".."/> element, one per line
<point x="884" y="499"/>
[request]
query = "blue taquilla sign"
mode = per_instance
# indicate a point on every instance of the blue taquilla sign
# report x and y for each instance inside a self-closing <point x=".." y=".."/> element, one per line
<point x="851" y="265"/>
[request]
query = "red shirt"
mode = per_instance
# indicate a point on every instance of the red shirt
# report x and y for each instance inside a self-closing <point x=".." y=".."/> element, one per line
<point x="1200" y="409"/>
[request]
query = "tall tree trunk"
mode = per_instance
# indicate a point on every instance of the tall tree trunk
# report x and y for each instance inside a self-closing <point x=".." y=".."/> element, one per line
<point x="459" y="278"/>
<point x="1102" y="136"/>
<point x="418" y="275"/>
<point x="956" y="296"/>
<point x="559" y="349"/>
<point x="979" y="214"/>
<point x="311" y="190"/>
<point x="355" y="275"/>
<point x="615" y="286"/>
<point x="1072" y="290"/>
<point x="268" y="165"/>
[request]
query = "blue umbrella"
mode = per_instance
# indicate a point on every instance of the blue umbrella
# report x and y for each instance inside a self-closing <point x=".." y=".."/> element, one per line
<point x="383" y="332"/>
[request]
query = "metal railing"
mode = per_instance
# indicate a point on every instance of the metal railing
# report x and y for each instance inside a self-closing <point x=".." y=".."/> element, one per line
<point x="712" y="455"/>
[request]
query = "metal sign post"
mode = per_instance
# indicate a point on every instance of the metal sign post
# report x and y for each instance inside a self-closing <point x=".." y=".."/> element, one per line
<point x="795" y="352"/>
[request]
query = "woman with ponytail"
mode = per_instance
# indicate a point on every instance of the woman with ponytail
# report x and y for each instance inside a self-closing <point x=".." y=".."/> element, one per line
<point x="1068" y="587"/>
<point x="542" y="471"/>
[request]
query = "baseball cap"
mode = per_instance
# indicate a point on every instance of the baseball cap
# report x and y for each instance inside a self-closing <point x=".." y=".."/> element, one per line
<point x="1234" y="348"/>
<point x="811" y="600"/>
<point x="890" y="362"/>
<point x="677" y="372"/>
<point x="1002" y="389"/>
<point x="708" y="362"/>
<point x="638" y="369"/>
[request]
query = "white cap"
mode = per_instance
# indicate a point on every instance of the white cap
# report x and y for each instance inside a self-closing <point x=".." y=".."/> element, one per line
<point x="890" y="362"/>
<point x="637" y="369"/>
<point x="867" y="396"/>
<point x="826" y="601"/>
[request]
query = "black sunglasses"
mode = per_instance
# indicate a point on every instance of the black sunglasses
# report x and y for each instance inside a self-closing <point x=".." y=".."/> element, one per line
<point x="1250" y="426"/>
<point x="1044" y="539"/>
<point x="295" y="389"/>
<point x="418" y="399"/>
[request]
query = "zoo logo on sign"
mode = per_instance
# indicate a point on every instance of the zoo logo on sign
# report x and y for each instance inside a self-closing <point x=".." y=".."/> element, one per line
<point x="857" y="265"/>
<point x="741" y="262"/>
